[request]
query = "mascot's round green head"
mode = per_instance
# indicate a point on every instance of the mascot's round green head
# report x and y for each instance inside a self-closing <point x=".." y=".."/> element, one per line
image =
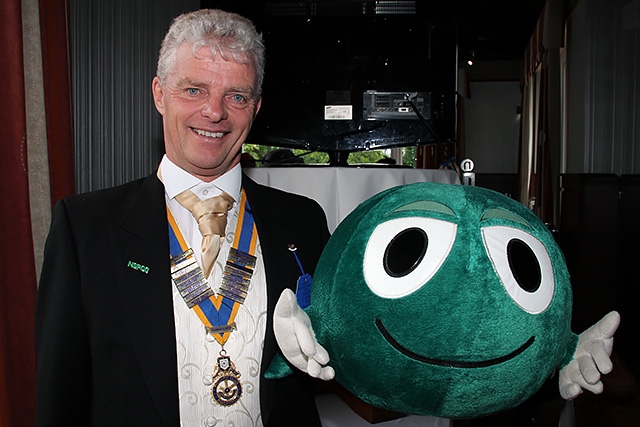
<point x="443" y="300"/>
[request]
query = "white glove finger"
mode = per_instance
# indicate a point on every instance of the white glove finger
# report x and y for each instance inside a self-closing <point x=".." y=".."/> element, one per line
<point x="568" y="381"/>
<point x="588" y="370"/>
<point x="572" y="373"/>
<point x="608" y="325"/>
<point x="318" y="371"/>
<point x="327" y="373"/>
<point x="304" y="335"/>
<point x="322" y="355"/>
<point x="596" y="388"/>
<point x="286" y="305"/>
<point x="604" y="329"/>
<point x="572" y="382"/>
<point x="600" y="354"/>
<point x="584" y="375"/>
<point x="313" y="368"/>
<point x="570" y="391"/>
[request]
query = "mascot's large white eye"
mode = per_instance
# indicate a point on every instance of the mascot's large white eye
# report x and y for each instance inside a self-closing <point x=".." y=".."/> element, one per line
<point x="524" y="266"/>
<point x="404" y="253"/>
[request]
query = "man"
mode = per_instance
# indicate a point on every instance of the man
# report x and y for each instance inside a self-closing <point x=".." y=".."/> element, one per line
<point x="121" y="340"/>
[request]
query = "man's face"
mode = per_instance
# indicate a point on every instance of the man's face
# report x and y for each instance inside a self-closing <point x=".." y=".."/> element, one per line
<point x="208" y="105"/>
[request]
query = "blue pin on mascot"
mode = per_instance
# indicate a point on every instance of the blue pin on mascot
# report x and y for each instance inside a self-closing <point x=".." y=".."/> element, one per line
<point x="442" y="300"/>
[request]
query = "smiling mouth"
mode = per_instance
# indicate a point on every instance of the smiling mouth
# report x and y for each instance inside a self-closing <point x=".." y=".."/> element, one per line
<point x="208" y="134"/>
<point x="450" y="363"/>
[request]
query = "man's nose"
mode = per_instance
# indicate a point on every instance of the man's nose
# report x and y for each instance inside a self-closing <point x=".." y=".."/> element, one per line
<point x="214" y="109"/>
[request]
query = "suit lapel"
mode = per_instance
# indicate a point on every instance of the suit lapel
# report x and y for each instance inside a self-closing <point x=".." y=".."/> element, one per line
<point x="270" y="219"/>
<point x="143" y="276"/>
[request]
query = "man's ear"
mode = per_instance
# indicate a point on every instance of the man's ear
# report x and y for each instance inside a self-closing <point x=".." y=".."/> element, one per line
<point x="158" y="94"/>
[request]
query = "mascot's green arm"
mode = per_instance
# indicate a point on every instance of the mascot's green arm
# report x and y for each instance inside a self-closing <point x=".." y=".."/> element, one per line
<point x="278" y="368"/>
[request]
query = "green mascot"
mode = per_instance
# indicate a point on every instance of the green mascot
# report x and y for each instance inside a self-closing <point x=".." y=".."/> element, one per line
<point x="442" y="300"/>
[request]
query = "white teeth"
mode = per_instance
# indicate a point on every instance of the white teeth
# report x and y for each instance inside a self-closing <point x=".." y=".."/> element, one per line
<point x="209" y="134"/>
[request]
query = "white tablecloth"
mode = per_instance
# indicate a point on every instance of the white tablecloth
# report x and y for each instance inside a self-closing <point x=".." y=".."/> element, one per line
<point x="339" y="190"/>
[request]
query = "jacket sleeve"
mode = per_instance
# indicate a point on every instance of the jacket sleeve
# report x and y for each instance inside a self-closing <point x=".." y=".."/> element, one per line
<point x="63" y="393"/>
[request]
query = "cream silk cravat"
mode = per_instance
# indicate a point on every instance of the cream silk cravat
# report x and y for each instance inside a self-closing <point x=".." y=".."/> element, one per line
<point x="211" y="215"/>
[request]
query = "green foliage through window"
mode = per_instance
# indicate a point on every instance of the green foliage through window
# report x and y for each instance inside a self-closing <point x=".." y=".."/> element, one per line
<point x="258" y="152"/>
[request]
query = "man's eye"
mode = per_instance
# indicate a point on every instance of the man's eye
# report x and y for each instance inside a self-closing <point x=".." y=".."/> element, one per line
<point x="238" y="98"/>
<point x="193" y="91"/>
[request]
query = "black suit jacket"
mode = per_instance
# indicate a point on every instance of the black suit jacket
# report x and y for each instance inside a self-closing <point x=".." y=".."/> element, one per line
<point x="105" y="334"/>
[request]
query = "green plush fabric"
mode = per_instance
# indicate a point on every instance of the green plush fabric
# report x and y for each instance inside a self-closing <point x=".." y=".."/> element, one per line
<point x="278" y="368"/>
<point x="458" y="328"/>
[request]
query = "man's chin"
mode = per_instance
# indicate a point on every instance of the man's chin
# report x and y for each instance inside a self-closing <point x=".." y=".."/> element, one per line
<point x="208" y="171"/>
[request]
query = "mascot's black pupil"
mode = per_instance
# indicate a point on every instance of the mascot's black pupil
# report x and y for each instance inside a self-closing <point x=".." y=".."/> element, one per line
<point x="405" y="251"/>
<point x="524" y="265"/>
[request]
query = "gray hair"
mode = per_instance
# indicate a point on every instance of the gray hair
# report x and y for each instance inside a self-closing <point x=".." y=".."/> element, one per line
<point x="230" y="35"/>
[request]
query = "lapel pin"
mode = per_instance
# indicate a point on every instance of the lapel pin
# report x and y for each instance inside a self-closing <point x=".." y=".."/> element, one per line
<point x="138" y="267"/>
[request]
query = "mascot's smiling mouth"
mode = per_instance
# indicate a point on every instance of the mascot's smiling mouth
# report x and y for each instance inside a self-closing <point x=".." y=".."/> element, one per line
<point x="449" y="363"/>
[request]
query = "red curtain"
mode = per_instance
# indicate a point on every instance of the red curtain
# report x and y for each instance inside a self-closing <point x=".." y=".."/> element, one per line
<point x="18" y="280"/>
<point x="17" y="264"/>
<point x="54" y="29"/>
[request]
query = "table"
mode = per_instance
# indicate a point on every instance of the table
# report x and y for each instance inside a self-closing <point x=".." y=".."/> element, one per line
<point x="339" y="190"/>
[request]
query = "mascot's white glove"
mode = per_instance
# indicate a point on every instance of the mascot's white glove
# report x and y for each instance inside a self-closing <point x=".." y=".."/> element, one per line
<point x="296" y="339"/>
<point x="590" y="359"/>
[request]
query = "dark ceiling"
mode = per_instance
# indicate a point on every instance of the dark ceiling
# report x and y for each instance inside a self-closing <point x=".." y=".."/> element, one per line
<point x="494" y="33"/>
<point x="496" y="29"/>
<point x="492" y="29"/>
